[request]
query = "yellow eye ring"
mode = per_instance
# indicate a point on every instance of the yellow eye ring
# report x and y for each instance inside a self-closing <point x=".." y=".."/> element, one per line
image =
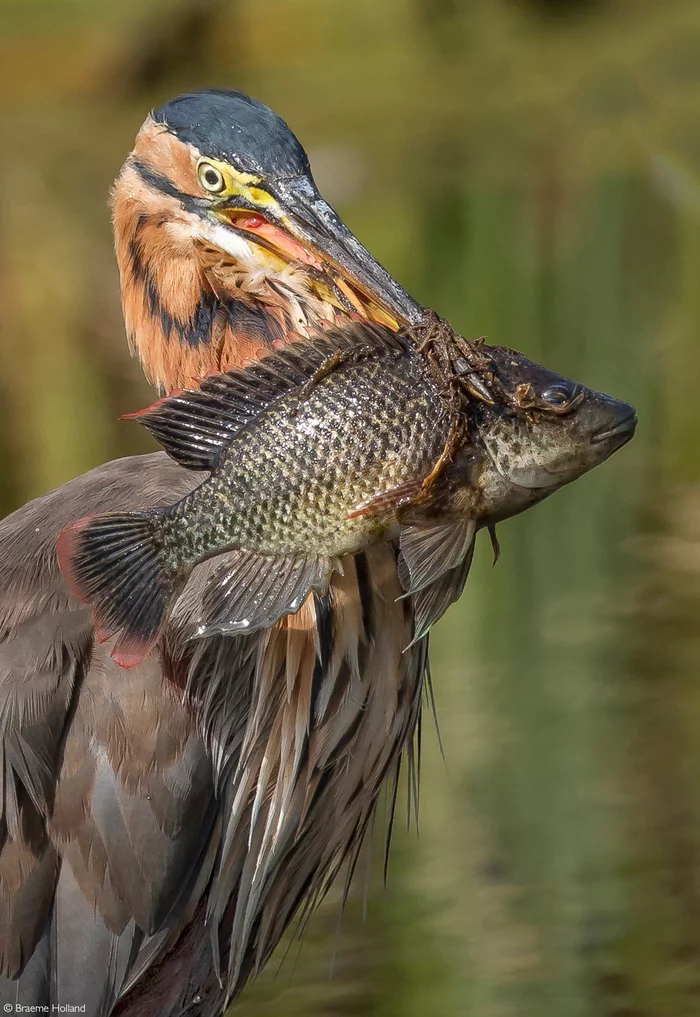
<point x="211" y="178"/>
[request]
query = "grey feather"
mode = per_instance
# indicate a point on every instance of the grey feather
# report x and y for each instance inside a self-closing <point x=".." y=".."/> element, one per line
<point x="226" y="780"/>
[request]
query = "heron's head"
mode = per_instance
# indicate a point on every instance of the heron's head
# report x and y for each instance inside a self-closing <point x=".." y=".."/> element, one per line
<point x="223" y="240"/>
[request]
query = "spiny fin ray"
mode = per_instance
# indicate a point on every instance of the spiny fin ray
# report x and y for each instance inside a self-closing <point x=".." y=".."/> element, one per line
<point x="250" y="591"/>
<point x="194" y="426"/>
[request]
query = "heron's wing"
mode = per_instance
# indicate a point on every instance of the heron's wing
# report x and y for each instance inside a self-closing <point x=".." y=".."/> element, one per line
<point x="113" y="775"/>
<point x="106" y="794"/>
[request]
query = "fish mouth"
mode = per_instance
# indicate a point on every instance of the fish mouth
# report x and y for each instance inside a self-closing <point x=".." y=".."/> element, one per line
<point x="623" y="426"/>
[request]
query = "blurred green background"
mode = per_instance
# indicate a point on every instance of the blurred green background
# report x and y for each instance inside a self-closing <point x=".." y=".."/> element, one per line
<point x="532" y="169"/>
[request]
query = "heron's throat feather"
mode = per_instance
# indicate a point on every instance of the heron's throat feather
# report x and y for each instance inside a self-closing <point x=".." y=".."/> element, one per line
<point x="191" y="307"/>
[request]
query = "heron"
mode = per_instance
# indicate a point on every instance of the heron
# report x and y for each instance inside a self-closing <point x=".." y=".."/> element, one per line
<point x="161" y="827"/>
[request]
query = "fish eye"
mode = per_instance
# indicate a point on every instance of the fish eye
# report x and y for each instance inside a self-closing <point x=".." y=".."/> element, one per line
<point x="558" y="395"/>
<point x="211" y="178"/>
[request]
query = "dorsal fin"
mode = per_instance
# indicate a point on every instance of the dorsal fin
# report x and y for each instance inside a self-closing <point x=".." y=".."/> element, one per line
<point x="193" y="426"/>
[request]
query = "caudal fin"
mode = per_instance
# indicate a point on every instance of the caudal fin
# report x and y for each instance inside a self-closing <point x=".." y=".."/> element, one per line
<point x="114" y="562"/>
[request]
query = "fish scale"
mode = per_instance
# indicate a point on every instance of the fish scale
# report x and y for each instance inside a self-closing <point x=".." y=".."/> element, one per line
<point x="290" y="478"/>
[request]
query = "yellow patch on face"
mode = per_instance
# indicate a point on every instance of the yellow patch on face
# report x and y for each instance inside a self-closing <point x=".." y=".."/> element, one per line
<point x="260" y="197"/>
<point x="239" y="184"/>
<point x="279" y="233"/>
<point x="232" y="176"/>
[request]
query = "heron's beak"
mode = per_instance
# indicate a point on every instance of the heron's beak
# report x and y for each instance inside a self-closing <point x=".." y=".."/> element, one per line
<point x="304" y="228"/>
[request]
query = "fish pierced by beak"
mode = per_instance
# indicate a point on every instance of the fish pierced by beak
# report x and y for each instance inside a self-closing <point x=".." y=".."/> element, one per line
<point x="310" y="463"/>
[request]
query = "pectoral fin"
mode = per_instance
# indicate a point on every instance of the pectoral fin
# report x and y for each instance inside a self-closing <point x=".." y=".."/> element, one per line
<point x="427" y="554"/>
<point x="253" y="591"/>
<point x="390" y="501"/>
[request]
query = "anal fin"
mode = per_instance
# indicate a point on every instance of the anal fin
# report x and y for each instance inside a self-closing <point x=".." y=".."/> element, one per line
<point x="251" y="591"/>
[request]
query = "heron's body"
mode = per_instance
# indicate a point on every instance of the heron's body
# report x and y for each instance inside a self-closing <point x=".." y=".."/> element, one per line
<point x="129" y="806"/>
<point x="160" y="827"/>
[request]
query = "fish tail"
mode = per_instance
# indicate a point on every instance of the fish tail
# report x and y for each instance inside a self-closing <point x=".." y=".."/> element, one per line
<point x="115" y="562"/>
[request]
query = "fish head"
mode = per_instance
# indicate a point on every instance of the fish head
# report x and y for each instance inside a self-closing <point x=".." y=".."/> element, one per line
<point x="553" y="431"/>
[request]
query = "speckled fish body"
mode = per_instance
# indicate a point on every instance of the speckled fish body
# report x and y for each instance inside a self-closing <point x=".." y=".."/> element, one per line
<point x="289" y="481"/>
<point x="295" y="445"/>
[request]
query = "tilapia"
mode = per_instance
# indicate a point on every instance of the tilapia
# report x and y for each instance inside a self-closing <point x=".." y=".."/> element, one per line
<point x="338" y="441"/>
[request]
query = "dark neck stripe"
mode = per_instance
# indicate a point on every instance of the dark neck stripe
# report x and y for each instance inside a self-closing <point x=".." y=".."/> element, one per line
<point x="195" y="332"/>
<point x="253" y="322"/>
<point x="157" y="182"/>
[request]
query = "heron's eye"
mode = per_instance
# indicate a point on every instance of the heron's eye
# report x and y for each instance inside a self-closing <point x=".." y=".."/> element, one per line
<point x="210" y="177"/>
<point x="558" y="395"/>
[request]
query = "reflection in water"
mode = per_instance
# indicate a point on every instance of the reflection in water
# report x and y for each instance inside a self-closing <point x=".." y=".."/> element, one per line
<point x="558" y="864"/>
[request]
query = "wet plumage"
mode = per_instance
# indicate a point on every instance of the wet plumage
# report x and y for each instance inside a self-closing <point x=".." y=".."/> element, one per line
<point x="177" y="810"/>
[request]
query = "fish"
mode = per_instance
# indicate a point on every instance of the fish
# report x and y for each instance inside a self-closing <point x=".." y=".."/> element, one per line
<point x="346" y="438"/>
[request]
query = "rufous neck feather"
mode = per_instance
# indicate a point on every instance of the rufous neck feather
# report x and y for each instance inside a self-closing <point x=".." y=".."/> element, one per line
<point x="189" y="307"/>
